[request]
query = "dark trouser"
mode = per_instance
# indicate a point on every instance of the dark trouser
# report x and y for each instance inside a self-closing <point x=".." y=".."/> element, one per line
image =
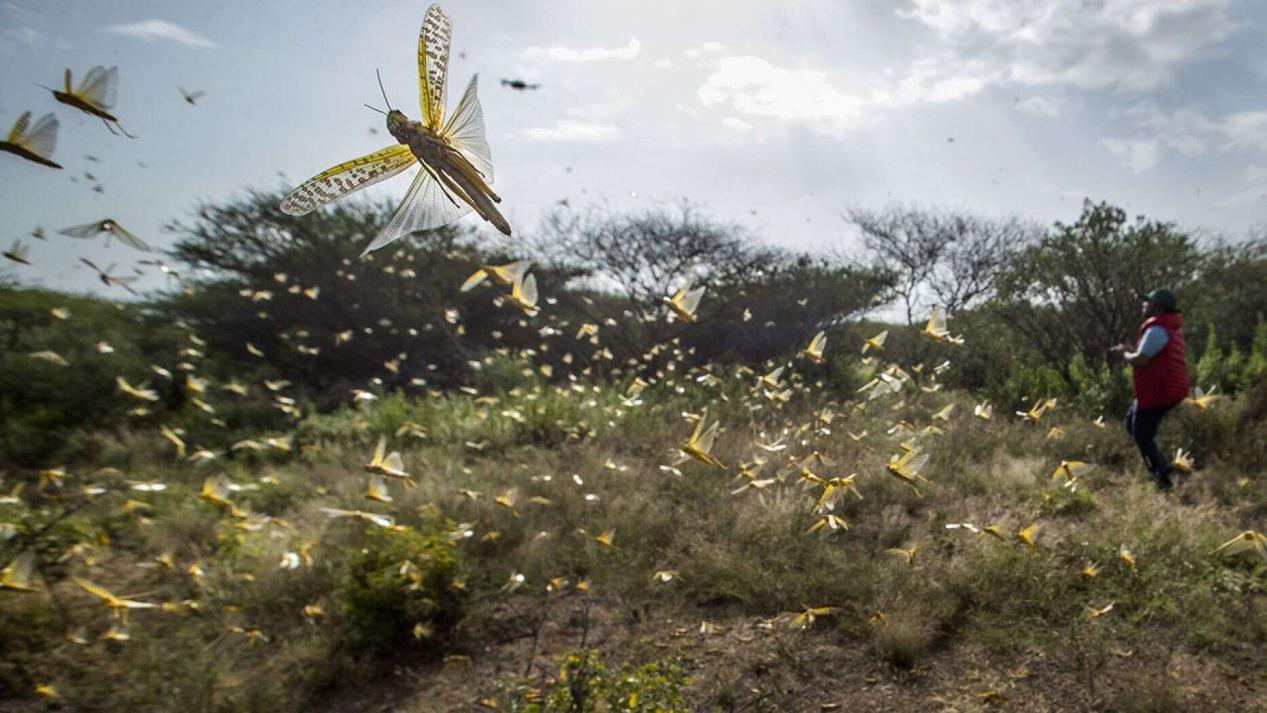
<point x="1142" y="424"/>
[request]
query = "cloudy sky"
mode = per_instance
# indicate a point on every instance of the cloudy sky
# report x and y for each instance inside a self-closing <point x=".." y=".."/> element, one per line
<point x="776" y="115"/>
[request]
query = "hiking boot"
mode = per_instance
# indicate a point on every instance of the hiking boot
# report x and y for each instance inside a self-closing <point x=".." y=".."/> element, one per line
<point x="1164" y="483"/>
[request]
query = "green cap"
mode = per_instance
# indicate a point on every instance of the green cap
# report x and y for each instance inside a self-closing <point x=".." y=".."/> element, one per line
<point x="1163" y="298"/>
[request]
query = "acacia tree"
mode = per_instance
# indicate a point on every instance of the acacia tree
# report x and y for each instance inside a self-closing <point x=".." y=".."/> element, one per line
<point x="761" y="300"/>
<point x="643" y="255"/>
<point x="297" y="289"/>
<point x="954" y="257"/>
<point x="1077" y="289"/>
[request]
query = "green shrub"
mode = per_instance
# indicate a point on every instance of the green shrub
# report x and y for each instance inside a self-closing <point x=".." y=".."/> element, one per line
<point x="396" y="581"/>
<point x="1069" y="503"/>
<point x="586" y="682"/>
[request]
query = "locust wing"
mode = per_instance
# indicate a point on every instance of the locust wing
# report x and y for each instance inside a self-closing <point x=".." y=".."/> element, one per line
<point x="426" y="206"/>
<point x="433" y="64"/>
<point x="99" y="87"/>
<point x="465" y="131"/>
<point x="347" y="177"/>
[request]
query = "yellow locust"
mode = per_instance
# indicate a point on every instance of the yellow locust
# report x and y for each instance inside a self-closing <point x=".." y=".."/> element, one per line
<point x="456" y="162"/>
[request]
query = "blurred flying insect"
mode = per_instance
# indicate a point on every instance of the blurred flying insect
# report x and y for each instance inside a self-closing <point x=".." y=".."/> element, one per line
<point x="828" y="524"/>
<point x="110" y="280"/>
<point x="504" y="275"/>
<point x="814" y="352"/>
<point x="1183" y="461"/>
<point x="376" y="489"/>
<point x="907" y="467"/>
<point x="457" y="164"/>
<point x="19" y="253"/>
<point x="803" y="620"/>
<point x="936" y="329"/>
<point x="51" y="357"/>
<point x="1070" y="471"/>
<point x="388" y="464"/>
<point x="906" y="554"/>
<point x="1203" y="399"/>
<point x="19" y="574"/>
<point x="1094" y="613"/>
<point x="1125" y="557"/>
<point x="876" y="342"/>
<point x="95" y="95"/>
<point x="118" y="605"/>
<point x="519" y="85"/>
<point x="523" y="293"/>
<point x="1028" y="536"/>
<point x="137" y="392"/>
<point x="192" y="97"/>
<point x="35" y="145"/>
<point x="370" y="517"/>
<point x="685" y="301"/>
<point x="1037" y="411"/>
<point x="700" y="444"/>
<point x="1247" y="541"/>
<point x="108" y="226"/>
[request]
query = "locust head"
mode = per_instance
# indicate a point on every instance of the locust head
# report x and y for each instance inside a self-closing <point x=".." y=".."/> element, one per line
<point x="397" y="125"/>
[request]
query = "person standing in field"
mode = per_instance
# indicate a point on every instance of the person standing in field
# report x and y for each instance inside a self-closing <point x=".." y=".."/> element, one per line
<point x="1160" y="375"/>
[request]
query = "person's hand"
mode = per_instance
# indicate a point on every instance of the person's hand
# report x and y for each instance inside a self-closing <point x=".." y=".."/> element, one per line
<point x="1120" y="348"/>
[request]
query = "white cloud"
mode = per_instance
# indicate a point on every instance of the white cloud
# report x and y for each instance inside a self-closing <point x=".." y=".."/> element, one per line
<point x="572" y="130"/>
<point x="710" y="47"/>
<point x="1042" y="106"/>
<point x="1139" y="155"/>
<point x="161" y="30"/>
<point x="1245" y="129"/>
<point x="593" y="54"/>
<point x="663" y="63"/>
<point x="735" y="122"/>
<point x="752" y="86"/>
<point x="617" y="102"/>
<point x="1253" y="188"/>
<point x="1186" y="130"/>
<point x="20" y="38"/>
<point x="1192" y="133"/>
<point x="1132" y="45"/>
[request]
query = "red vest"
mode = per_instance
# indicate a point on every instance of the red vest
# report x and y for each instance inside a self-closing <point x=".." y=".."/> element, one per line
<point x="1164" y="382"/>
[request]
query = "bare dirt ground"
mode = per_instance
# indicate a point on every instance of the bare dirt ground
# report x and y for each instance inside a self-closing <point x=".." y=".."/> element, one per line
<point x="740" y="664"/>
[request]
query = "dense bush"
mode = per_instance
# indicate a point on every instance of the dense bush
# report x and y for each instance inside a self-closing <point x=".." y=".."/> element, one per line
<point x="400" y="592"/>
<point x="587" y="683"/>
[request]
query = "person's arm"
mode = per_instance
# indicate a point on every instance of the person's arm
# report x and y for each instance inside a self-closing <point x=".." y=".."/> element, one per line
<point x="1150" y="346"/>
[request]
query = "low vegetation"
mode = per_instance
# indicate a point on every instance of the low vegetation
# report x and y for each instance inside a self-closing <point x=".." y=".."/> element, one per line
<point x="495" y="511"/>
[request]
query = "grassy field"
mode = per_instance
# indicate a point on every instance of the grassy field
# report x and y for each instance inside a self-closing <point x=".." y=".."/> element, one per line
<point x="552" y="553"/>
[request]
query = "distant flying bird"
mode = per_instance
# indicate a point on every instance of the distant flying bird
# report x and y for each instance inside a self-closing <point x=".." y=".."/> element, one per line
<point x="36" y="145"/>
<point x="519" y="85"/>
<point x="457" y="164"/>
<point x="110" y="228"/>
<point x="192" y="97"/>
<point x="95" y="95"/>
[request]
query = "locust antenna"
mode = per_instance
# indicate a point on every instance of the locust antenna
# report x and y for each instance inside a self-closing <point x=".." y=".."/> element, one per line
<point x="374" y="108"/>
<point x="384" y="91"/>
